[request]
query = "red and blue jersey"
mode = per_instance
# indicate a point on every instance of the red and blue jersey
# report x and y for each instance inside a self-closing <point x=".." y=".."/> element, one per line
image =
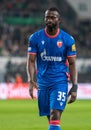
<point x="51" y="52"/>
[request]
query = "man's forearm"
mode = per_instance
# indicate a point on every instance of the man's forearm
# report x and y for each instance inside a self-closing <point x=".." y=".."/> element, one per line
<point x="30" y="69"/>
<point x="73" y="73"/>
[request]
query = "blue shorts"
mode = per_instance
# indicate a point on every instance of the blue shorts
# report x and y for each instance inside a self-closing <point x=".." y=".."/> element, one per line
<point x="54" y="97"/>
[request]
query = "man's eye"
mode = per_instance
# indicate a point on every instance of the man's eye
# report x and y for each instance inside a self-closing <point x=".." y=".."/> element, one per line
<point x="52" y="17"/>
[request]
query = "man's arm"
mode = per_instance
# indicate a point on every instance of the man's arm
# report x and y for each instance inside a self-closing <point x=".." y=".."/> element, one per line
<point x="73" y="75"/>
<point x="31" y="72"/>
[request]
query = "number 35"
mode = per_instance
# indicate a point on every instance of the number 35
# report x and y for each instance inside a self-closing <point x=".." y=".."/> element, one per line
<point x="61" y="96"/>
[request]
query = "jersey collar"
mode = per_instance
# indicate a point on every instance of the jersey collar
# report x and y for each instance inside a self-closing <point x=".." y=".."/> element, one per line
<point x="50" y="36"/>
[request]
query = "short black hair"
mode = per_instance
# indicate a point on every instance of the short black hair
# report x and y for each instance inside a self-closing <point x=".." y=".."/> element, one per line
<point x="54" y="9"/>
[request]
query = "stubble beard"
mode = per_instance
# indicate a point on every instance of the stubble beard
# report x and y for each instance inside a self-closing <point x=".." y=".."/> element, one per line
<point x="51" y="28"/>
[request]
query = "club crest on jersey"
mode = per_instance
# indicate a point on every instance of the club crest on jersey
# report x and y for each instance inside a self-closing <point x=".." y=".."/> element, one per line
<point x="59" y="43"/>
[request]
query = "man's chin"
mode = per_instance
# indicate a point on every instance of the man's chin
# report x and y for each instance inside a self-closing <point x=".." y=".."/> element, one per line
<point x="50" y="28"/>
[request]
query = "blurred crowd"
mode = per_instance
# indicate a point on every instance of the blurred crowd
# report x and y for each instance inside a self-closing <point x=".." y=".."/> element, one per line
<point x="14" y="38"/>
<point x="15" y="72"/>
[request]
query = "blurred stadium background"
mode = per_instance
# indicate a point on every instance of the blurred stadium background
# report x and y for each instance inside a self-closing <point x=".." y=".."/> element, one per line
<point x="20" y="18"/>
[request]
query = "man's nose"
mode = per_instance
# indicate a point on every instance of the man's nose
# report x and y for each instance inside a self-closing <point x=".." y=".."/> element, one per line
<point x="49" y="19"/>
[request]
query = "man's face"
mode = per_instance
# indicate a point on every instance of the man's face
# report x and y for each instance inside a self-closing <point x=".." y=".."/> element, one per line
<point x="52" y="19"/>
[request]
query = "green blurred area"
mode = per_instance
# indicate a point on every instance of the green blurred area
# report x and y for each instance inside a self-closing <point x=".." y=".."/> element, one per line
<point x="22" y="20"/>
<point x="23" y="115"/>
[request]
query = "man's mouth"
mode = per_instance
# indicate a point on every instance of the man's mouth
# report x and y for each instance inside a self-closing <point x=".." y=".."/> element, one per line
<point x="49" y="23"/>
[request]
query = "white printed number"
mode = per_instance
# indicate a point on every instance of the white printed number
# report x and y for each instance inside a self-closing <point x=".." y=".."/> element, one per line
<point x="61" y="96"/>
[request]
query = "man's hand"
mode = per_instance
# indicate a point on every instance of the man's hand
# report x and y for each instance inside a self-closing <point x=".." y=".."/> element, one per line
<point x="72" y="94"/>
<point x="72" y="97"/>
<point x="32" y="85"/>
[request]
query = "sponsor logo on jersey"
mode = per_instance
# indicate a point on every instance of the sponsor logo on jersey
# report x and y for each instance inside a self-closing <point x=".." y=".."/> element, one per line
<point x="29" y="48"/>
<point x="44" y="57"/>
<point x="59" y="43"/>
<point x="73" y="47"/>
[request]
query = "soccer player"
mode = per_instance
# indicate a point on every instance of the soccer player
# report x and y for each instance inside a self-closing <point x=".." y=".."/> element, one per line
<point x="49" y="48"/>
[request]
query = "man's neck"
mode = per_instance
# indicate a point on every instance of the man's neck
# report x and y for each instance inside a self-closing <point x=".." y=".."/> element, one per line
<point x="52" y="32"/>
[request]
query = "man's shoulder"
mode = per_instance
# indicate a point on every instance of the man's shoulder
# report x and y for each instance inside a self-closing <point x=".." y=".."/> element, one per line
<point x="36" y="34"/>
<point x="66" y="35"/>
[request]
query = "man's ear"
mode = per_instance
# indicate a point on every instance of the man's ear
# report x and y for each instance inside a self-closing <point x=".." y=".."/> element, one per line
<point x="60" y="20"/>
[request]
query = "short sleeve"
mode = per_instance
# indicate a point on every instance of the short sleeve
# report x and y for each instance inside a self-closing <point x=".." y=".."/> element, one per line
<point x="71" y="47"/>
<point x="32" y="44"/>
